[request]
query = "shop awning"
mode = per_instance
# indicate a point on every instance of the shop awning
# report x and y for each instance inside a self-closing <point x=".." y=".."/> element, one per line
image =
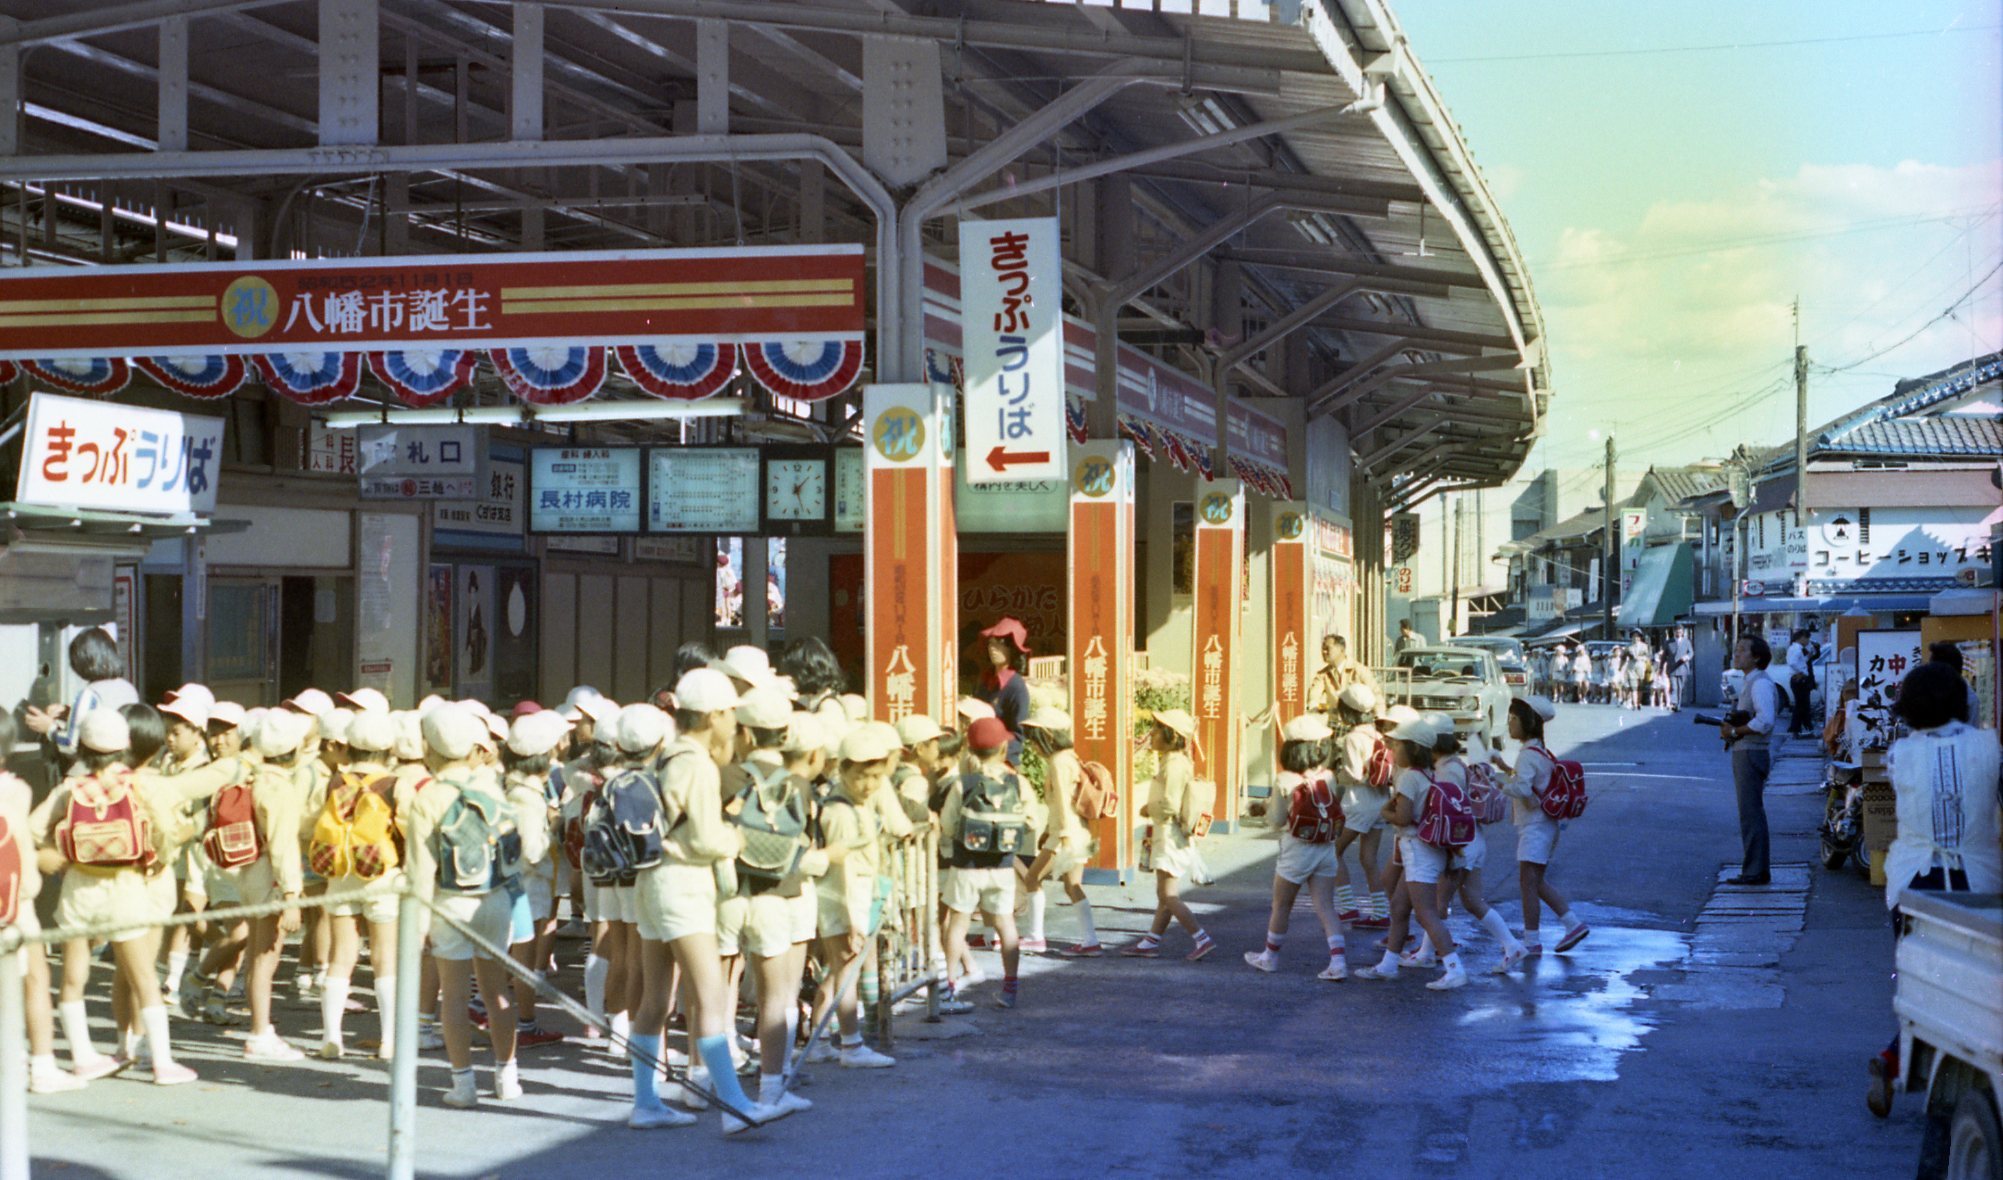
<point x="1832" y="604"/>
<point x="1661" y="588"/>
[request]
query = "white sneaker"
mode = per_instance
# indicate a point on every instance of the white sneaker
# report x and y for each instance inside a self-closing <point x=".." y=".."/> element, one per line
<point x="970" y="979"/>
<point x="1455" y="977"/>
<point x="1335" y="972"/>
<point x="1374" y="973"/>
<point x="864" y="1057"/>
<point x="1510" y="961"/>
<point x="507" y="1087"/>
<point x="649" y="1118"/>
<point x="733" y="1125"/>
<point x="331" y="1051"/>
<point x="430" y="1039"/>
<point x="786" y="1102"/>
<point x="691" y="1097"/>
<point x="269" y="1046"/>
<point x="1409" y="959"/>
<point x="464" y="1093"/>
<point x="1262" y="961"/>
<point x="822" y="1053"/>
<point x="53" y="1081"/>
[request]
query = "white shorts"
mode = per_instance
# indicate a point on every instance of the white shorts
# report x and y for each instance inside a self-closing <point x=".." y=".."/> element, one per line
<point x="490" y="914"/>
<point x="611" y="903"/>
<point x="1300" y="860"/>
<point x="1423" y="862"/>
<point x="761" y="925"/>
<point x="675" y="901"/>
<point x="1361" y="807"/>
<point x="1069" y="853"/>
<point x="541" y="891"/>
<point x="375" y="910"/>
<point x="1537" y="840"/>
<point x="29" y="926"/>
<point x="1471" y="858"/>
<point x="991" y="891"/>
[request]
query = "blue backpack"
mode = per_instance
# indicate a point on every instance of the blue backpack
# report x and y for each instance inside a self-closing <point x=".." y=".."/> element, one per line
<point x="477" y="845"/>
<point x="624" y="828"/>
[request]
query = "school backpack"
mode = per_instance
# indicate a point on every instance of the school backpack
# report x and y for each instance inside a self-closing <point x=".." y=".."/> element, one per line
<point x="11" y="873"/>
<point x="1314" y="815"/>
<point x="1199" y="806"/>
<point x="476" y="843"/>
<point x="1098" y="795"/>
<point x="1446" y="819"/>
<point x="356" y="831"/>
<point x="774" y="823"/>
<point x="1565" y="797"/>
<point x="624" y="827"/>
<point x="231" y="838"/>
<point x="104" y="825"/>
<point x="993" y="820"/>
<point x="1377" y="772"/>
<point x="573" y="827"/>
<point x="1491" y="806"/>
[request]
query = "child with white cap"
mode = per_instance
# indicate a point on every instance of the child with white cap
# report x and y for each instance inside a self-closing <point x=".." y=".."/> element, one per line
<point x="284" y="782"/>
<point x="1172" y="813"/>
<point x="678" y="897"/>
<point x="532" y="742"/>
<point x="1066" y="846"/>
<point x="1362" y="770"/>
<point x="612" y="966"/>
<point x="461" y="859"/>
<point x="186" y="710"/>
<point x="850" y="835"/>
<point x="1412" y="742"/>
<point x="1464" y="864"/>
<point x="1536" y="833"/>
<point x="1307" y="843"/>
<point x="355" y="845"/>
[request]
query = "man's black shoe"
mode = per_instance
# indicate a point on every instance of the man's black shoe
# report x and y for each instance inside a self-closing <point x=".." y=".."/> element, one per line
<point x="1743" y="879"/>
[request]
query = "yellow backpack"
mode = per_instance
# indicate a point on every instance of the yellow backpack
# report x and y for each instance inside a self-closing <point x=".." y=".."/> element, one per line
<point x="356" y="830"/>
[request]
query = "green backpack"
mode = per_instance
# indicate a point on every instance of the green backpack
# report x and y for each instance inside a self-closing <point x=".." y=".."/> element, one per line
<point x="477" y="846"/>
<point x="993" y="821"/>
<point x="773" y="820"/>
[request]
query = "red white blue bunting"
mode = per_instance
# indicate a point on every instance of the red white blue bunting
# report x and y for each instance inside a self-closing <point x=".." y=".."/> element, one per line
<point x="311" y="378"/>
<point x="551" y="375"/>
<point x="425" y="376"/>
<point x="204" y="377"/>
<point x="1074" y="419"/>
<point x="805" y="370"/>
<point x="99" y="376"/>
<point x="677" y="369"/>
<point x="1136" y="431"/>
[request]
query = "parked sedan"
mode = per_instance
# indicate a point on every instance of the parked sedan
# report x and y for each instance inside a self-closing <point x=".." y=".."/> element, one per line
<point x="1508" y="656"/>
<point x="1465" y="683"/>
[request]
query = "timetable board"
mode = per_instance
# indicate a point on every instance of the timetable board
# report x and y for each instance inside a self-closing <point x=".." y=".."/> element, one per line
<point x="714" y="490"/>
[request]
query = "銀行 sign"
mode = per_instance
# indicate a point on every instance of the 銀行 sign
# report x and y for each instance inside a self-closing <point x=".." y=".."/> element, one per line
<point x="122" y="458"/>
<point x="1011" y="298"/>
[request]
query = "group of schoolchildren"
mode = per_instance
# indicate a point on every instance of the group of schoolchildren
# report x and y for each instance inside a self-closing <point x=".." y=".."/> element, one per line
<point x="1353" y="768"/>
<point x="1634" y="675"/>
<point x="738" y="824"/>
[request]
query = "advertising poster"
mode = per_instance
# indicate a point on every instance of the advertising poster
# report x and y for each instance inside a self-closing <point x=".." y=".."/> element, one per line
<point x="473" y="646"/>
<point x="438" y="629"/>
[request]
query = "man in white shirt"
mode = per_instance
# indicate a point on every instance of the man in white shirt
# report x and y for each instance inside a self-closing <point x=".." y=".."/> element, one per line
<point x="1751" y="757"/>
<point x="1681" y="657"/>
<point x="1801" y="683"/>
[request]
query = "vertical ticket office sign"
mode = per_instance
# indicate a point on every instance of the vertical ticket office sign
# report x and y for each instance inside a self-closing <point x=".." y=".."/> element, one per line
<point x="907" y="581"/>
<point x="1296" y="654"/>
<point x="1012" y="316"/>
<point x="1100" y="550"/>
<point x="1219" y="579"/>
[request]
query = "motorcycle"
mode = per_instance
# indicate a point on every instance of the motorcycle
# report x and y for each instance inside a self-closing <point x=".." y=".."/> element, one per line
<point x="1842" y="830"/>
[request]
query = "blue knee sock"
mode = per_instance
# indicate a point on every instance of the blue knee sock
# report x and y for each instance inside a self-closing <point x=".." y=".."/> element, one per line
<point x="715" y="1052"/>
<point x="646" y="1054"/>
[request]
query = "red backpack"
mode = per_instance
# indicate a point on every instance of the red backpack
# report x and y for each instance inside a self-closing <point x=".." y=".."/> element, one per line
<point x="231" y="840"/>
<point x="573" y="830"/>
<point x="1097" y="796"/>
<point x="1377" y="772"/>
<point x="1314" y="816"/>
<point x="1446" y="820"/>
<point x="1491" y="806"/>
<point x="104" y="826"/>
<point x="1565" y="798"/>
<point x="10" y="874"/>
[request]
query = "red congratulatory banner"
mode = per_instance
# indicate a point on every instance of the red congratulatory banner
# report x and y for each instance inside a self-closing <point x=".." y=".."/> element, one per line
<point x="747" y="295"/>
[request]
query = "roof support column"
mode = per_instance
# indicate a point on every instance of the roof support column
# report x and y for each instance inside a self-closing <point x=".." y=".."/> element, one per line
<point x="712" y="77"/>
<point x="525" y="63"/>
<point x="173" y="121"/>
<point x="1113" y="213"/>
<point x="350" y="76"/>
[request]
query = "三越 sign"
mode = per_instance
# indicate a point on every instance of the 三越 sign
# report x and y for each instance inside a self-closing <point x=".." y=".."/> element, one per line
<point x="123" y="458"/>
<point x="418" y="462"/>
<point x="1011" y="297"/>
<point x="584" y="490"/>
<point x="1404" y="537"/>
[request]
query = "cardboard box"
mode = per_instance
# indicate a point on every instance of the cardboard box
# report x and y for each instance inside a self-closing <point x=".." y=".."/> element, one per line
<point x="1881" y="818"/>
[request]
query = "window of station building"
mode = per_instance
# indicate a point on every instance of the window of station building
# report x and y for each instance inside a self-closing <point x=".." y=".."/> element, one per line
<point x="731" y="578"/>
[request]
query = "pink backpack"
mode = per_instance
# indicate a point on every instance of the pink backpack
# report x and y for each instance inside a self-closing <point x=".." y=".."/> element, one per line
<point x="1314" y="816"/>
<point x="1447" y="818"/>
<point x="1491" y="806"/>
<point x="1565" y="798"/>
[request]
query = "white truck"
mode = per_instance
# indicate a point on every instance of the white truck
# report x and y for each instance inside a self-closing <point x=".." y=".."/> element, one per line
<point x="1950" y="1008"/>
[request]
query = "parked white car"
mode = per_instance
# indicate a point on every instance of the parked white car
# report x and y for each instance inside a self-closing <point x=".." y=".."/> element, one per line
<point x="1465" y="683"/>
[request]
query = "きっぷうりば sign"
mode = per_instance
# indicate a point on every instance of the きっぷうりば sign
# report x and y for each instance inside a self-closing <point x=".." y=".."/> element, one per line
<point x="1011" y="296"/>
<point x="119" y="458"/>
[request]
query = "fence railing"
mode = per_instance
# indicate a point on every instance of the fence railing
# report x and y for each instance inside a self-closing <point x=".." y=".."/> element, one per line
<point x="910" y="956"/>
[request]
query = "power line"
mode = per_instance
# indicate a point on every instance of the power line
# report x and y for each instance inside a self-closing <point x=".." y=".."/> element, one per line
<point x="1661" y="49"/>
<point x="1914" y="334"/>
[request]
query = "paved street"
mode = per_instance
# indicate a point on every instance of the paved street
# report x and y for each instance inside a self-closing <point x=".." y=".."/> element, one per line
<point x="1694" y="1033"/>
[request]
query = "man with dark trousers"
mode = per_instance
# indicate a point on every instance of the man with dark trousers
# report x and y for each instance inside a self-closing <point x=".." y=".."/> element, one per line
<point x="1751" y="757"/>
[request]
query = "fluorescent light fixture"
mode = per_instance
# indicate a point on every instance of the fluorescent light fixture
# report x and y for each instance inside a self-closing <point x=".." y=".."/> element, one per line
<point x="631" y="410"/>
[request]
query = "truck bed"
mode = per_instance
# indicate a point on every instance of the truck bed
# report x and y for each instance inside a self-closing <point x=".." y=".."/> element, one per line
<point x="1950" y="990"/>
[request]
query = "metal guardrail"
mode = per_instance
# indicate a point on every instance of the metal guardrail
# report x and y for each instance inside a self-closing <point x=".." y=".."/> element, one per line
<point x="910" y="955"/>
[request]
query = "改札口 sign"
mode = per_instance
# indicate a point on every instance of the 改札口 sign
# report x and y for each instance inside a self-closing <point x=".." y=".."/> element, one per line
<point x="121" y="458"/>
<point x="418" y="462"/>
<point x="1011" y="295"/>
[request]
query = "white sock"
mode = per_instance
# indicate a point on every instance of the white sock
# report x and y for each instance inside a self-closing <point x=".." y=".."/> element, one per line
<point x="1085" y="922"/>
<point x="1389" y="964"/>
<point x="1037" y="902"/>
<point x="177" y="966"/>
<point x="1425" y="946"/>
<point x="595" y="972"/>
<point x="506" y="1072"/>
<point x="128" y="1043"/>
<point x="154" y="1020"/>
<point x="333" y="1008"/>
<point x="1451" y="960"/>
<point x="43" y="1066"/>
<point x="1532" y="937"/>
<point x="320" y="977"/>
<point x="1571" y="920"/>
<point x="1499" y="930"/>
<point x="385" y="990"/>
<point x="622" y="1027"/>
<point x="76" y="1030"/>
<point x="1335" y="947"/>
<point x="1345" y="899"/>
<point x="771" y="1087"/>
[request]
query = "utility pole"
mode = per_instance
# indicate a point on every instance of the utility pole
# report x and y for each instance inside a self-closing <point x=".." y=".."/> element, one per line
<point x="1608" y="574"/>
<point x="1800" y="434"/>
<point x="1452" y="626"/>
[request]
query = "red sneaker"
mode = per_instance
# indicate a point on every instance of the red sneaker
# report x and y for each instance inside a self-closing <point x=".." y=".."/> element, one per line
<point x="1203" y="947"/>
<point x="978" y="942"/>
<point x="1350" y="916"/>
<point x="1372" y="922"/>
<point x="1083" y="950"/>
<point x="530" y="1038"/>
<point x="1573" y="937"/>
<point x="1144" y="949"/>
<point x="477" y="1015"/>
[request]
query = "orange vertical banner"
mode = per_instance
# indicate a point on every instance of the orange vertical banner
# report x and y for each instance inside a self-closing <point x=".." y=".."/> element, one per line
<point x="1295" y="652"/>
<point x="906" y="579"/>
<point x="1220" y="572"/>
<point x="1101" y="629"/>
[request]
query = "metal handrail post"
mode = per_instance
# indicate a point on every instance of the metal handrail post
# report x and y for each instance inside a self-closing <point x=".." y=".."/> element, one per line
<point x="403" y="1065"/>
<point x="13" y="1068"/>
